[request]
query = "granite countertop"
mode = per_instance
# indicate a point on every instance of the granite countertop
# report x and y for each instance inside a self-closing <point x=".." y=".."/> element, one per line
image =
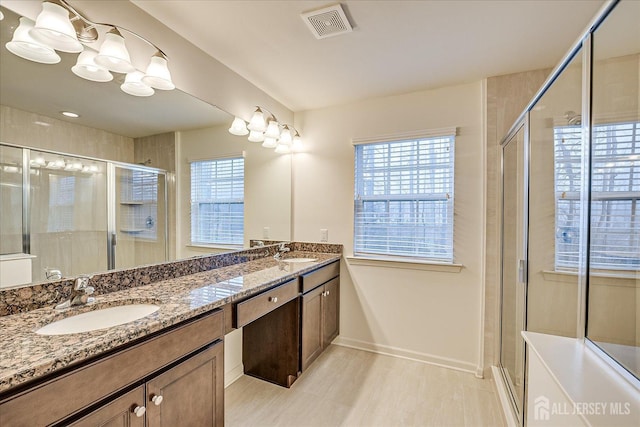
<point x="25" y="355"/>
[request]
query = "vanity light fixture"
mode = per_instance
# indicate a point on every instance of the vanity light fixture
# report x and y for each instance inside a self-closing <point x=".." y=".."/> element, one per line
<point x="61" y="27"/>
<point x="268" y="131"/>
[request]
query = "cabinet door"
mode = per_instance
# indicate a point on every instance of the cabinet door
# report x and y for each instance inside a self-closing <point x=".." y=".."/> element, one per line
<point x="330" y="311"/>
<point x="190" y="394"/>
<point x="117" y="413"/>
<point x="311" y="326"/>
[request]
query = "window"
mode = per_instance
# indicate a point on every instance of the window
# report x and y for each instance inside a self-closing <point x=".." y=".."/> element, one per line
<point x="615" y="195"/>
<point x="61" y="202"/>
<point x="140" y="189"/>
<point x="217" y="201"/>
<point x="404" y="198"/>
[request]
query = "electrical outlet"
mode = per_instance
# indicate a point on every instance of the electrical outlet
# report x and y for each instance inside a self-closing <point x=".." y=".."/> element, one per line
<point x="265" y="232"/>
<point x="324" y="235"/>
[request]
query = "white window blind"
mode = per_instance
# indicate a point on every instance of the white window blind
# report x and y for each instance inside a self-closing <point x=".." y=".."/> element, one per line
<point x="217" y="201"/>
<point x="62" y="191"/>
<point x="615" y="194"/>
<point x="404" y="198"/>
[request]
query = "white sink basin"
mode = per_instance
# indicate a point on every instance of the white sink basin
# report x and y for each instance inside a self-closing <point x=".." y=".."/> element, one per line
<point x="298" y="259"/>
<point x="98" y="319"/>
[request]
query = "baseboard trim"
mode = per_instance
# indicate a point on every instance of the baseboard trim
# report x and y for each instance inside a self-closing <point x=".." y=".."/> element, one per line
<point x="503" y="394"/>
<point x="431" y="359"/>
<point x="233" y="375"/>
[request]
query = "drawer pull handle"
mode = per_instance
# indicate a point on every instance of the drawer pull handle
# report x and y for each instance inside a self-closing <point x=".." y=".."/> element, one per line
<point x="139" y="411"/>
<point x="157" y="399"/>
<point x="273" y="299"/>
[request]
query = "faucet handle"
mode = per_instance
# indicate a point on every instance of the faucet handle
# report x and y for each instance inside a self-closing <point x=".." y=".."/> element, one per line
<point x="82" y="281"/>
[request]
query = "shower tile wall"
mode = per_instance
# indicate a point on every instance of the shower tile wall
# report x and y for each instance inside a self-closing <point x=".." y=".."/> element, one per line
<point x="506" y="98"/>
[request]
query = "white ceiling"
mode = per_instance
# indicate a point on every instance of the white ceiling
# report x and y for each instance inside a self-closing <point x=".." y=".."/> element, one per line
<point x="396" y="46"/>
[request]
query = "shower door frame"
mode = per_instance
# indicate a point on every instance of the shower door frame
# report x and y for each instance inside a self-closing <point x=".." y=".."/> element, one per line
<point x="521" y="124"/>
<point x="110" y="193"/>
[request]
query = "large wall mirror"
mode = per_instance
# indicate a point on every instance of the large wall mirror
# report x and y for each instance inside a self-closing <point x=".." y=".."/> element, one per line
<point x="613" y="316"/>
<point x="135" y="137"/>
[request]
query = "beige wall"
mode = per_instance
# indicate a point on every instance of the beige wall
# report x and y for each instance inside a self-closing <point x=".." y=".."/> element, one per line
<point x="423" y="314"/>
<point x="267" y="184"/>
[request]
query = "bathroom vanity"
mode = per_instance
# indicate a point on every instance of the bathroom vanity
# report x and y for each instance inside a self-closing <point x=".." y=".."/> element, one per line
<point x="167" y="368"/>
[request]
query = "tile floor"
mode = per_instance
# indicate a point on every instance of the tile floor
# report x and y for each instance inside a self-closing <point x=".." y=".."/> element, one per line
<point x="347" y="387"/>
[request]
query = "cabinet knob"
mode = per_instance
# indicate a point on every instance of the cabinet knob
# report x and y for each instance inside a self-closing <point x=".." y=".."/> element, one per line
<point x="139" y="411"/>
<point x="326" y="294"/>
<point x="273" y="299"/>
<point x="157" y="399"/>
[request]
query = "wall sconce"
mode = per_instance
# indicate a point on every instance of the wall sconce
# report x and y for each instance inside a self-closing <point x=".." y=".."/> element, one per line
<point x="59" y="27"/>
<point x="268" y="131"/>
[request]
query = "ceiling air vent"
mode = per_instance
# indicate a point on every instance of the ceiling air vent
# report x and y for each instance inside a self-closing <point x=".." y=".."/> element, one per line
<point x="327" y="22"/>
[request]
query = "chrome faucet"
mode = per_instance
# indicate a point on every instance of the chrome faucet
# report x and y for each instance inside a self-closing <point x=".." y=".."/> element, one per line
<point x="52" y="274"/>
<point x="281" y="250"/>
<point x="79" y="294"/>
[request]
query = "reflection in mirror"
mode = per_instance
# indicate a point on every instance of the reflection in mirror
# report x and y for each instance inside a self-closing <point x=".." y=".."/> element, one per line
<point x="164" y="131"/>
<point x="555" y="162"/>
<point x="613" y="318"/>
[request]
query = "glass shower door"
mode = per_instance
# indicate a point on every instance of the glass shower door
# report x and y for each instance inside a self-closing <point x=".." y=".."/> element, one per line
<point x="513" y="277"/>
<point x="139" y="227"/>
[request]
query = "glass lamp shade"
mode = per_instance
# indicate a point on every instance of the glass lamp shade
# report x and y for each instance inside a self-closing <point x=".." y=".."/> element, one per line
<point x="283" y="149"/>
<point x="296" y="145"/>
<point x="257" y="122"/>
<point x="24" y="46"/>
<point x="157" y="74"/>
<point x="133" y="85"/>
<point x="255" y="136"/>
<point x="87" y="68"/>
<point x="113" y="54"/>
<point x="54" y="29"/>
<point x="238" y="127"/>
<point x="269" y="143"/>
<point x="273" y="130"/>
<point x="285" y="136"/>
<point x="1" y="15"/>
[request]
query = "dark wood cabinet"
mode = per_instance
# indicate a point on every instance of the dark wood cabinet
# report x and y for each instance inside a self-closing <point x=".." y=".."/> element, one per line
<point x="190" y="394"/>
<point x="123" y="411"/>
<point x="73" y="395"/>
<point x="271" y="334"/>
<point x="320" y="313"/>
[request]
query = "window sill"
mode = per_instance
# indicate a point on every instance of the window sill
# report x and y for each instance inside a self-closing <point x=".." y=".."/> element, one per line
<point x="405" y="264"/>
<point x="623" y="278"/>
<point x="213" y="246"/>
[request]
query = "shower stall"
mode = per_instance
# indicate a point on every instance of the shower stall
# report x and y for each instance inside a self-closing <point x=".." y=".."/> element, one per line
<point x="570" y="234"/>
<point x="72" y="214"/>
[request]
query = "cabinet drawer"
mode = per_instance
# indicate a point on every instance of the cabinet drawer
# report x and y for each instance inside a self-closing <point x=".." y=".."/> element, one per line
<point x="261" y="304"/>
<point x="320" y="276"/>
<point x="67" y="394"/>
